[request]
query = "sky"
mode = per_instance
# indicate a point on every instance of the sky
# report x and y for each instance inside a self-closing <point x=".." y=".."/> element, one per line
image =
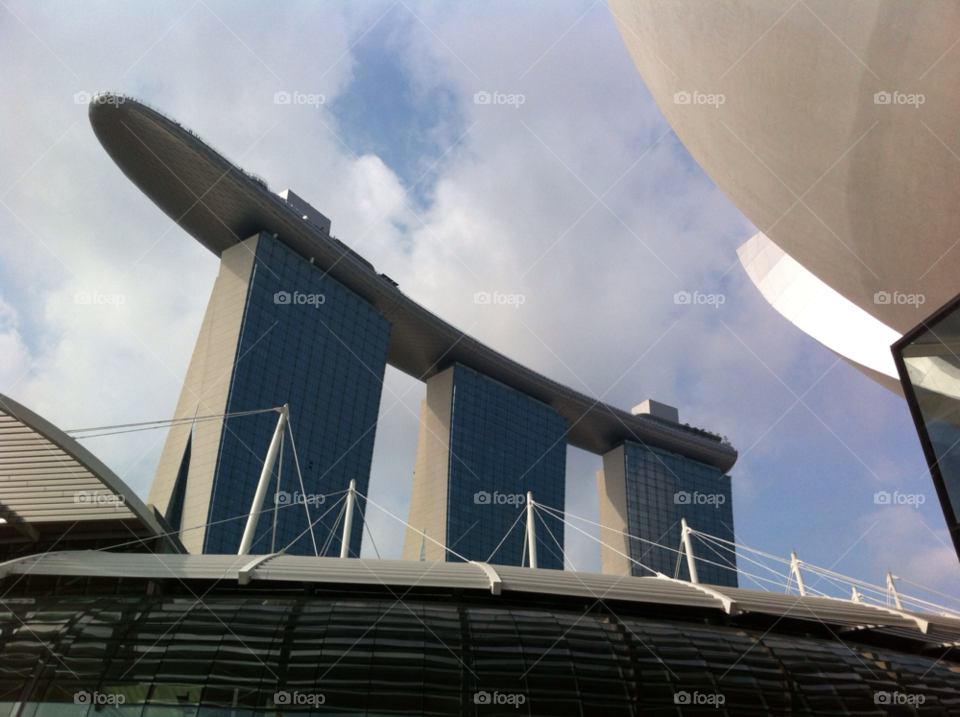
<point x="581" y="198"/>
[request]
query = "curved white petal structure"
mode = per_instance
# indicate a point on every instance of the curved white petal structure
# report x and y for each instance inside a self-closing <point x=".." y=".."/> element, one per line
<point x="815" y="308"/>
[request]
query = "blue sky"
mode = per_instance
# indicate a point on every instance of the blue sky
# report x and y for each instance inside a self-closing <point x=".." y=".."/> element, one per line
<point x="582" y="199"/>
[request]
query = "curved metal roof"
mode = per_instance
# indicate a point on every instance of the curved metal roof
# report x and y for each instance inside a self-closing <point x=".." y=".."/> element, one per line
<point x="220" y="205"/>
<point x="49" y="482"/>
<point x="842" y="617"/>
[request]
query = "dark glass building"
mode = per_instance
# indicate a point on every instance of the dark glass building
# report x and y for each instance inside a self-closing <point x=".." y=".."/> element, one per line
<point x="326" y="358"/>
<point x="170" y="636"/>
<point x="646" y="492"/>
<point x="301" y="338"/>
<point x="928" y="360"/>
<point x="482" y="447"/>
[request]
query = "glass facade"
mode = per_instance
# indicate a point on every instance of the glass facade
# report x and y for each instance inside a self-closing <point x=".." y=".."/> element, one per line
<point x="928" y="359"/>
<point x="662" y="488"/>
<point x="307" y="341"/>
<point x="503" y="444"/>
<point x="245" y="656"/>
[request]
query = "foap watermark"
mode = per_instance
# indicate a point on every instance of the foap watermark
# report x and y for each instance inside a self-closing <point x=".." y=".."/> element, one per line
<point x="497" y="498"/>
<point x="885" y="297"/>
<point x="686" y="298"/>
<point x="298" y="98"/>
<point x="82" y="497"/>
<point x="498" y="298"/>
<point x="296" y="498"/>
<point x="498" y="98"/>
<point x="698" y="98"/>
<point x="699" y="698"/>
<point x="85" y="98"/>
<point x="898" y="698"/>
<point x="298" y="298"/>
<point x="499" y="698"/>
<point x="898" y="98"/>
<point x="97" y="698"/>
<point x="697" y="498"/>
<point x="95" y="298"/>
<point x="298" y="698"/>
<point x="884" y="498"/>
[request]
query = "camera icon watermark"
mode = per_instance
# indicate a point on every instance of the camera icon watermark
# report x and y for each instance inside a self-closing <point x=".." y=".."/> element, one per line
<point x="885" y="297"/>
<point x="898" y="698"/>
<point x="95" y="298"/>
<point x="298" y="98"/>
<point x="498" y="98"/>
<point x="85" y="98"/>
<point x="685" y="298"/>
<point x="497" y="498"/>
<point x="897" y="498"/>
<point x="697" y="498"/>
<point x="898" y="98"/>
<point x="297" y="498"/>
<point x="99" y="500"/>
<point x="297" y="298"/>
<point x="698" y="98"/>
<point x="699" y="698"/>
<point x="514" y="699"/>
<point x="313" y="699"/>
<point x="97" y="698"/>
<point x="485" y="298"/>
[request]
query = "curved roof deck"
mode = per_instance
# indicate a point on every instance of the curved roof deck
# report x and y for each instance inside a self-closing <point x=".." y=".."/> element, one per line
<point x="220" y="205"/>
<point x="50" y="485"/>
<point x="918" y="632"/>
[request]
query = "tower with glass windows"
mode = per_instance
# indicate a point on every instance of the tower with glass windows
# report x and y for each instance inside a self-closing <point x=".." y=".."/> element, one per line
<point x="277" y="330"/>
<point x="644" y="494"/>
<point x="482" y="447"/>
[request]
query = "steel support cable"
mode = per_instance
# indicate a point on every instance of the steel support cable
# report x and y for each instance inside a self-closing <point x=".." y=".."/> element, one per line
<point x="882" y="593"/>
<point x="702" y="560"/>
<point x="418" y="532"/>
<point x="303" y="490"/>
<point x="632" y="560"/>
<point x="310" y="526"/>
<point x="618" y="532"/>
<point x="504" y="538"/>
<point x="333" y="530"/>
<point x="745" y="547"/>
<point x="363" y="518"/>
<point x="204" y="525"/>
<point x="151" y="425"/>
<point x="839" y="580"/>
<point x="563" y="552"/>
<point x="785" y="577"/>
<point x="732" y="566"/>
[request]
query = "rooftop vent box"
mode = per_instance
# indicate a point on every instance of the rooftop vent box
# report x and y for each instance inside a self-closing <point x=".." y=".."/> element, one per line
<point x="657" y="410"/>
<point x="303" y="208"/>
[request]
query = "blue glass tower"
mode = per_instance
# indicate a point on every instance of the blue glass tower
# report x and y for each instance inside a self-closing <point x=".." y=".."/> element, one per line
<point x="285" y="333"/>
<point x="645" y="492"/>
<point x="482" y="447"/>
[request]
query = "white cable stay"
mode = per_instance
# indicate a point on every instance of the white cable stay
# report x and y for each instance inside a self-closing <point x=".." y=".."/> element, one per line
<point x="860" y="590"/>
<point x="701" y="560"/>
<point x="152" y="425"/>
